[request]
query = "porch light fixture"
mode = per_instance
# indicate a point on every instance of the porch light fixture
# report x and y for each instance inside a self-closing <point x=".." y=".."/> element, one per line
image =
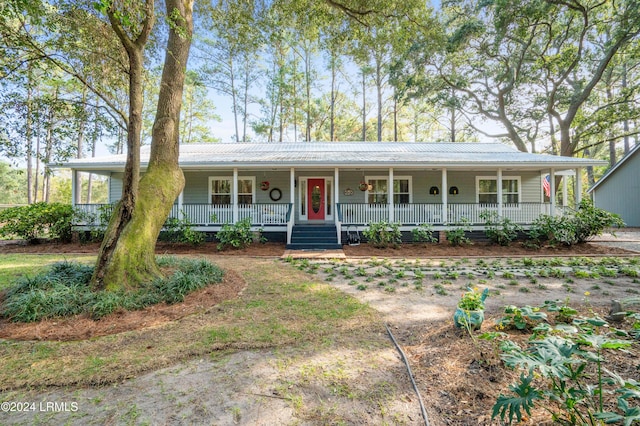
<point x="434" y="190"/>
<point x="453" y="190"/>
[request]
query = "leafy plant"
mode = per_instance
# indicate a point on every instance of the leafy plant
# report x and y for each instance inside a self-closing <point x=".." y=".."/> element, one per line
<point x="181" y="231"/>
<point x="580" y="226"/>
<point x="499" y="230"/>
<point x="424" y="233"/>
<point x="568" y="361"/>
<point x="38" y="220"/>
<point x="473" y="300"/>
<point x="564" y="312"/>
<point x="522" y="318"/>
<point x="457" y="234"/>
<point x="383" y="234"/>
<point x="238" y="235"/>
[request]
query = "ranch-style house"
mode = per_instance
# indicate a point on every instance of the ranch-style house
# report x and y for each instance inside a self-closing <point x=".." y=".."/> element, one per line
<point x="311" y="194"/>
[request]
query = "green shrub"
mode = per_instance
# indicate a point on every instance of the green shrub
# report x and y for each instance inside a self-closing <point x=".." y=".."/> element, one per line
<point x="546" y="228"/>
<point x="181" y="231"/>
<point x="578" y="227"/>
<point x="424" y="233"/>
<point x="238" y="235"/>
<point x="456" y="235"/>
<point x="591" y="220"/>
<point x="500" y="231"/>
<point x="383" y="234"/>
<point x="38" y="220"/>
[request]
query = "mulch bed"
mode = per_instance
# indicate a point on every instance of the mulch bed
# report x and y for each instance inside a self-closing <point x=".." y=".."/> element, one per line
<point x="81" y="327"/>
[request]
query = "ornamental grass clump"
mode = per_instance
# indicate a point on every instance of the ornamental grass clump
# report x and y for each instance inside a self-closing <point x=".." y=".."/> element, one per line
<point x="63" y="290"/>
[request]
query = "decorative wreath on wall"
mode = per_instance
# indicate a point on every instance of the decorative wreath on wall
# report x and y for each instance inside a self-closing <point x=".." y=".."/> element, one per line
<point x="363" y="186"/>
<point x="264" y="185"/>
<point x="275" y="194"/>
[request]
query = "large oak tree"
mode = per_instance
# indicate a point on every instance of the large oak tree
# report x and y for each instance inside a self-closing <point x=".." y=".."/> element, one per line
<point x="127" y="254"/>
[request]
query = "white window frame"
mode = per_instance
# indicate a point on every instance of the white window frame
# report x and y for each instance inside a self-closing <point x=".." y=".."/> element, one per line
<point x="231" y="186"/>
<point x="253" y="189"/>
<point x="504" y="178"/>
<point x="386" y="178"/>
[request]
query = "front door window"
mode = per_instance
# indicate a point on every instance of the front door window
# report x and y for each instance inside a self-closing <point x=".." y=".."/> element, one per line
<point x="315" y="191"/>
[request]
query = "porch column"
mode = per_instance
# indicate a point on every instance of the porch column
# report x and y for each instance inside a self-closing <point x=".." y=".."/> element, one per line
<point x="336" y="200"/>
<point x="578" y="194"/>
<point x="499" y="183"/>
<point x="234" y="195"/>
<point x="75" y="193"/>
<point x="292" y="200"/>
<point x="565" y="192"/>
<point x="391" y="218"/>
<point x="444" y="193"/>
<point x="552" y="187"/>
<point x="180" y="203"/>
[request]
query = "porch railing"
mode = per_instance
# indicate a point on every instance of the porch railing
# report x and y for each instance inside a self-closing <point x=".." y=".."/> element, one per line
<point x="200" y="214"/>
<point x="417" y="213"/>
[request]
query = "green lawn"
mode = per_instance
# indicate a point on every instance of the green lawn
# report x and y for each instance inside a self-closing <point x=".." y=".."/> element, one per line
<point x="280" y="307"/>
<point x="14" y="266"/>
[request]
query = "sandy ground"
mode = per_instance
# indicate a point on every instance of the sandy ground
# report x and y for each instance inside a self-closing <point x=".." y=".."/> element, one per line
<point x="275" y="387"/>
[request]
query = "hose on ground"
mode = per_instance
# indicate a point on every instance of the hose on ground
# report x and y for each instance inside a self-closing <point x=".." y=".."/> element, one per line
<point x="415" y="386"/>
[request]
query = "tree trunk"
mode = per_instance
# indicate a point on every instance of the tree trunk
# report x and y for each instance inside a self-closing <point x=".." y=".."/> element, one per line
<point x="36" y="173"/>
<point x="80" y="146"/>
<point x="452" y="118"/>
<point x="332" y="110"/>
<point x="625" y="123"/>
<point x="307" y="64"/>
<point x="379" y="97"/>
<point x="234" y="97"/>
<point x="395" y="119"/>
<point x="127" y="254"/>
<point x="364" y="108"/>
<point x="29" y="138"/>
<point x="245" y="99"/>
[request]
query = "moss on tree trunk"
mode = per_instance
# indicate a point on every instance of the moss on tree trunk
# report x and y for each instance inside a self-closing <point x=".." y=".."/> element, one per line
<point x="132" y="260"/>
<point x="127" y="255"/>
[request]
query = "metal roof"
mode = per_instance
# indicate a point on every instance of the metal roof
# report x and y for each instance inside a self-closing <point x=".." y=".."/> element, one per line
<point x="345" y="154"/>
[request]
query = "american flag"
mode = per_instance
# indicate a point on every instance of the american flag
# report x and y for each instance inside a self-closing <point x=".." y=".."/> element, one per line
<point x="546" y="185"/>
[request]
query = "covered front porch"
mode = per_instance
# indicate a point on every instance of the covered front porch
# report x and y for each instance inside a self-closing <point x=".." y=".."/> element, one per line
<point x="348" y="197"/>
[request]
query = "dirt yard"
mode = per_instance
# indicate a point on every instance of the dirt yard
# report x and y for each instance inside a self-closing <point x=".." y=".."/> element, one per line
<point x="415" y="291"/>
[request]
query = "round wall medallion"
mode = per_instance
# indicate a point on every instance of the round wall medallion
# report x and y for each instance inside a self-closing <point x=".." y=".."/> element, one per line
<point x="275" y="194"/>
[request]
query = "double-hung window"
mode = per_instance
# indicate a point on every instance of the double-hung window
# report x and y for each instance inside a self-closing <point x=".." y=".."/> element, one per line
<point x="221" y="190"/>
<point x="378" y="192"/>
<point x="487" y="190"/>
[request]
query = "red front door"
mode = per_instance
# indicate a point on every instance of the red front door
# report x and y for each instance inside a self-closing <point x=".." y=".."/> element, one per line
<point x="315" y="199"/>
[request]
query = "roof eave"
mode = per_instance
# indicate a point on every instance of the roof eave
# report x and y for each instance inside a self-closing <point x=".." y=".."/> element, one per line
<point x="560" y="165"/>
